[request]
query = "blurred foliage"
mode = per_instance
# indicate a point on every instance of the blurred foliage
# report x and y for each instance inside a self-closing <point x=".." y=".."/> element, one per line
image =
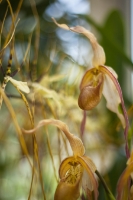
<point x="53" y="68"/>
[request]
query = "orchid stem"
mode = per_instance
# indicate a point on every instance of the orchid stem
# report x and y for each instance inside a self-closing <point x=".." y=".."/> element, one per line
<point x="109" y="193"/>
<point x="82" y="127"/>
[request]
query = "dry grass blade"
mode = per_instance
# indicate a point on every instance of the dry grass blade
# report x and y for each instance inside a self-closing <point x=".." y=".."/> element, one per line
<point x="35" y="145"/>
<point x="18" y="130"/>
<point x="5" y="46"/>
<point x="3" y="25"/>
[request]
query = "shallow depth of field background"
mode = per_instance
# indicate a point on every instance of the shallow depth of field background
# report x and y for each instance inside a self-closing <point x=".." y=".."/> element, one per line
<point x="61" y="60"/>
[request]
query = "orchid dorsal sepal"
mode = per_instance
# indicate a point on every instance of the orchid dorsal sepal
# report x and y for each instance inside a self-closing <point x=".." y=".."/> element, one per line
<point x="98" y="52"/>
<point x="75" y="142"/>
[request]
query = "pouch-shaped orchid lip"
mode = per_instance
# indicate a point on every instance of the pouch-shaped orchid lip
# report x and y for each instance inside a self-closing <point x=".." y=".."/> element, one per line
<point x="67" y="191"/>
<point x="91" y="93"/>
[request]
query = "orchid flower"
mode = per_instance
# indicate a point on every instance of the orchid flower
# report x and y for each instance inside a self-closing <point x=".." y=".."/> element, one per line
<point x="99" y="80"/>
<point x="124" y="189"/>
<point x="75" y="170"/>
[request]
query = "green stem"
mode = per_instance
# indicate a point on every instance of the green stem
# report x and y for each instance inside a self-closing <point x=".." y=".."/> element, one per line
<point x="107" y="190"/>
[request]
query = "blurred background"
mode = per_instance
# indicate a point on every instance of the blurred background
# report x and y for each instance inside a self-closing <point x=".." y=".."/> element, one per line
<point x="53" y="67"/>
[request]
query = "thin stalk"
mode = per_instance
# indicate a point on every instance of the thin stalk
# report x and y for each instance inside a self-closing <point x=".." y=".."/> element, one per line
<point x="18" y="130"/>
<point x="35" y="145"/>
<point x="109" y="193"/>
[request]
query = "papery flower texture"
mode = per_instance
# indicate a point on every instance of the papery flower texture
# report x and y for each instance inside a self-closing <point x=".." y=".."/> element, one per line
<point x="75" y="171"/>
<point x="99" y="80"/>
<point x="79" y="170"/>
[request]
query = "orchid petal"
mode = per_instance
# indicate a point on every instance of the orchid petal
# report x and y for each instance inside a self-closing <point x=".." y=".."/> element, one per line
<point x="98" y="52"/>
<point x="20" y="85"/>
<point x="86" y="183"/>
<point x="64" y="26"/>
<point x="90" y="167"/>
<point x="125" y="121"/>
<point x="123" y="183"/>
<point x="90" y="163"/>
<point x="112" y="97"/>
<point x="99" y="55"/>
<point x="75" y="142"/>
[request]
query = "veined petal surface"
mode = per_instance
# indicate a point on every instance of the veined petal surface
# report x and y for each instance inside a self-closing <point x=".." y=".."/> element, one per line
<point x="75" y="142"/>
<point x="90" y="167"/>
<point x="91" y="90"/>
<point x="112" y="97"/>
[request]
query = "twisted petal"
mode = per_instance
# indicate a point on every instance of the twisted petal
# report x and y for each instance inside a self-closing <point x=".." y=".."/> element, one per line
<point x="90" y="167"/>
<point x="91" y="89"/>
<point x="112" y="96"/>
<point x="99" y="55"/>
<point x="123" y="187"/>
<point x="75" y="142"/>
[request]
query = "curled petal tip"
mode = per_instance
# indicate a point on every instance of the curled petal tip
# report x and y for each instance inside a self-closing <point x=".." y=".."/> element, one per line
<point x="99" y="54"/>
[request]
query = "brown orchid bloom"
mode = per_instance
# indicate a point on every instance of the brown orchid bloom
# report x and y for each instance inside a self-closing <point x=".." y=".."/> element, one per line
<point x="99" y="80"/>
<point x="75" y="171"/>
